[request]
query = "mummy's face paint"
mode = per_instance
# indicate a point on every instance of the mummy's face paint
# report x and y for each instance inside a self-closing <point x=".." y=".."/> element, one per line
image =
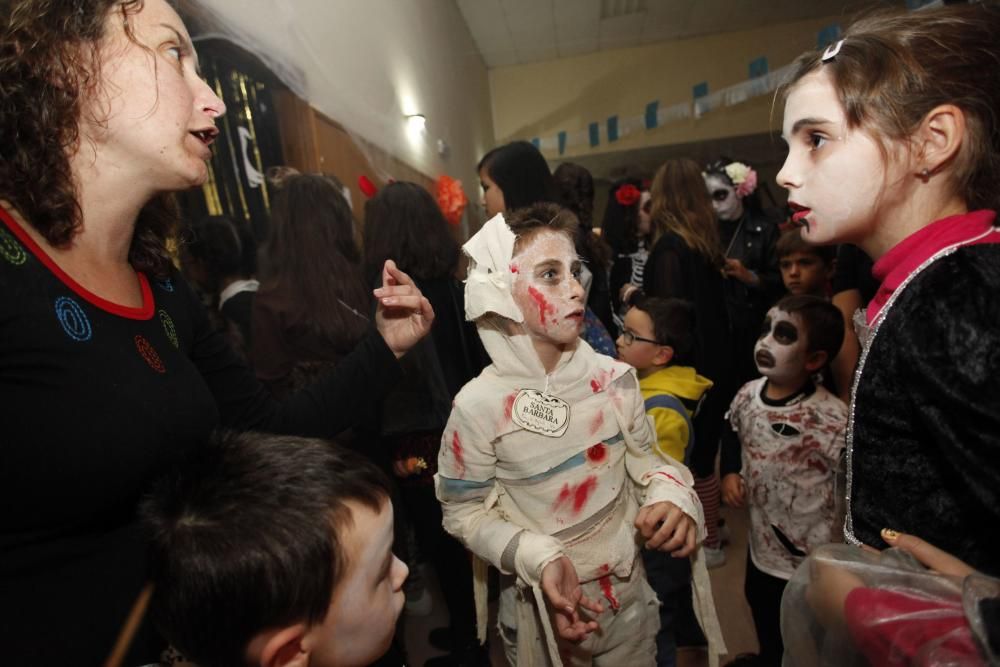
<point x="547" y="287"/>
<point x="725" y="201"/>
<point x="645" y="208"/>
<point x="780" y="352"/>
<point x="835" y="176"/>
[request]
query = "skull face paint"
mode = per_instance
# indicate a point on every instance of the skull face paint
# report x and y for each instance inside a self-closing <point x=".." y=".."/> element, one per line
<point x="781" y="351"/>
<point x="725" y="201"/>
<point x="547" y="287"/>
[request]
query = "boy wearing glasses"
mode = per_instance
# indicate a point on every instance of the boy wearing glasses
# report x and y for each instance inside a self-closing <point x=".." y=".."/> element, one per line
<point x="657" y="340"/>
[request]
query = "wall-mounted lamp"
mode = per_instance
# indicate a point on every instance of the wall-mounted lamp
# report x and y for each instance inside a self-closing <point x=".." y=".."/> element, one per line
<point x="416" y="122"/>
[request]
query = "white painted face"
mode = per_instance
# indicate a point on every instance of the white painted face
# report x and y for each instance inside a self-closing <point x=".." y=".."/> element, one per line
<point x="725" y="201"/>
<point x="547" y="287"/>
<point x="781" y="350"/>
<point x="835" y="176"/>
<point x="361" y="620"/>
<point x="154" y="116"/>
<point x="645" y="208"/>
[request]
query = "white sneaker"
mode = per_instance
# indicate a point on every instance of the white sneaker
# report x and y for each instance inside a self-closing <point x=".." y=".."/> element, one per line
<point x="714" y="557"/>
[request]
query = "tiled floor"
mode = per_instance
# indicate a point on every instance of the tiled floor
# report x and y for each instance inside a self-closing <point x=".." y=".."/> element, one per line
<point x="727" y="587"/>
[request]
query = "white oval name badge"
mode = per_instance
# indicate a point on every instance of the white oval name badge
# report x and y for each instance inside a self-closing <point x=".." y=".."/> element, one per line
<point x="540" y="413"/>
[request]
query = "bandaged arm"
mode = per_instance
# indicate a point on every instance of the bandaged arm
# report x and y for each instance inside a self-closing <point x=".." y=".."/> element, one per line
<point x="657" y="479"/>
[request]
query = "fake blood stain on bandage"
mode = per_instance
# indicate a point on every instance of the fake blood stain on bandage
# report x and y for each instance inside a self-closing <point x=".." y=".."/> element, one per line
<point x="607" y="589"/>
<point x="544" y="307"/>
<point x="596" y="423"/>
<point x="598" y="453"/>
<point x="456" y="452"/>
<point x="577" y="495"/>
<point x="508" y="405"/>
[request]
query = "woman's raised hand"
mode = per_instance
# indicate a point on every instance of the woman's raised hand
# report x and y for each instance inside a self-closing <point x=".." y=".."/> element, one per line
<point x="403" y="315"/>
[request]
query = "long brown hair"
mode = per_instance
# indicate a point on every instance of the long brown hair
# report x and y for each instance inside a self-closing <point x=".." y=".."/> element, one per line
<point x="892" y="69"/>
<point x="312" y="259"/>
<point x="681" y="206"/>
<point x="49" y="64"/>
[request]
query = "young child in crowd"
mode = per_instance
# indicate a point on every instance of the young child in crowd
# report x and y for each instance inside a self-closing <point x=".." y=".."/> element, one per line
<point x="791" y="435"/>
<point x="275" y="551"/>
<point x="547" y="469"/>
<point x="805" y="268"/>
<point x="658" y="341"/>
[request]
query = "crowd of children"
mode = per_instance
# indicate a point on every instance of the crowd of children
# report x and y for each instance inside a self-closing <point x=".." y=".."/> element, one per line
<point x="564" y="469"/>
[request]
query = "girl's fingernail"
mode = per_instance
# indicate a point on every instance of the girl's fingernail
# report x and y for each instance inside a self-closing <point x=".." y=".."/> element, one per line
<point x="889" y="535"/>
<point x="388" y="301"/>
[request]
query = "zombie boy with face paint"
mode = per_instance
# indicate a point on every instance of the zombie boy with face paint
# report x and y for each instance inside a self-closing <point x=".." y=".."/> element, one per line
<point x="546" y="468"/>
<point x="783" y="454"/>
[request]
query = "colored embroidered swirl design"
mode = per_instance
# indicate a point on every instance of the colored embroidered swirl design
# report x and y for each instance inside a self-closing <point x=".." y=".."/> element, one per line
<point x="11" y="250"/>
<point x="149" y="354"/>
<point x="166" y="284"/>
<point x="73" y="320"/>
<point x="169" y="328"/>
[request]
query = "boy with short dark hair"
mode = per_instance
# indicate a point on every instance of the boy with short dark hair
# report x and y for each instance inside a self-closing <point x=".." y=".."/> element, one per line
<point x="805" y="268"/>
<point x="791" y="435"/>
<point x="277" y="551"/>
<point x="658" y="341"/>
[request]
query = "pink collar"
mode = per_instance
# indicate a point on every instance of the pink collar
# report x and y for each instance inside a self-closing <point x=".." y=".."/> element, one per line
<point x="906" y="256"/>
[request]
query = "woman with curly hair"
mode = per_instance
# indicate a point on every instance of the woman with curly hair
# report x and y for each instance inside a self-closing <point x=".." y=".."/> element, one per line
<point x="109" y="369"/>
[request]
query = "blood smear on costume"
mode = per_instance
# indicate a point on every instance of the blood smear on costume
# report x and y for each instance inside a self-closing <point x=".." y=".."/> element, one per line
<point x="508" y="405"/>
<point x="609" y="591"/>
<point x="597" y="422"/>
<point x="598" y="453"/>
<point x="577" y="495"/>
<point x="456" y="451"/>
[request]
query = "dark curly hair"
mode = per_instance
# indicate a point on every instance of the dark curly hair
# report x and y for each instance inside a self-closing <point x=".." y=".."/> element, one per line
<point x="49" y="64"/>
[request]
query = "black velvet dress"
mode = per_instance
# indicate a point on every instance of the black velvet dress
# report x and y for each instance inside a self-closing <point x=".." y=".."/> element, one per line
<point x="924" y="443"/>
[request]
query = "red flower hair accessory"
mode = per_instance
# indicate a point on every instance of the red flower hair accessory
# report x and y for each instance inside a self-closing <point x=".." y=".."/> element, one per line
<point x="627" y="194"/>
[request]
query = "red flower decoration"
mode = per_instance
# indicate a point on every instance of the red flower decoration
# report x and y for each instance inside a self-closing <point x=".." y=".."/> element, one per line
<point x="627" y="194"/>
<point x="366" y="186"/>
<point x="451" y="198"/>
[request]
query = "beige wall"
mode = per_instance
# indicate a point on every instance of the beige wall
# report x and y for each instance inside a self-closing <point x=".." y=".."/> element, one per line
<point x="541" y="99"/>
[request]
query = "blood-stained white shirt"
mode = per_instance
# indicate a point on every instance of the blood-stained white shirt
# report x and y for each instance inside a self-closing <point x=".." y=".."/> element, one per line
<point x="791" y="454"/>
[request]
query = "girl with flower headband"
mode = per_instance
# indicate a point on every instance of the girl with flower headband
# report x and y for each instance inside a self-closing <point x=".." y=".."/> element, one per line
<point x="748" y="237"/>
<point x="894" y="145"/>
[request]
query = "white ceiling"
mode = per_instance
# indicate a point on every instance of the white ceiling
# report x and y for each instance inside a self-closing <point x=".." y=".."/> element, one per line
<point x="514" y="32"/>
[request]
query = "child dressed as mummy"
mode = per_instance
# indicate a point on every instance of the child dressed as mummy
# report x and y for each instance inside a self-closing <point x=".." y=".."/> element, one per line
<point x="546" y="469"/>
